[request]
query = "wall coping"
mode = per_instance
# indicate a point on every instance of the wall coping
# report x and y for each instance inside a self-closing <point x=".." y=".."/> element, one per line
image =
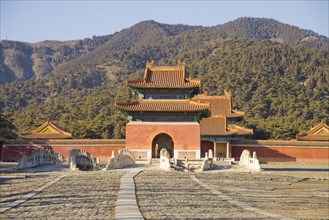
<point x="280" y="143"/>
<point x="67" y="141"/>
<point x="162" y="123"/>
<point x="123" y="142"/>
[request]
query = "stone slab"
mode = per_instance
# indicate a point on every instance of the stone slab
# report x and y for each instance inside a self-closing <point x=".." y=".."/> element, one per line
<point x="126" y="207"/>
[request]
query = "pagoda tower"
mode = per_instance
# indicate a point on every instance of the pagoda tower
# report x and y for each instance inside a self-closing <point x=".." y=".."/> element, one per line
<point x="170" y="113"/>
<point x="164" y="116"/>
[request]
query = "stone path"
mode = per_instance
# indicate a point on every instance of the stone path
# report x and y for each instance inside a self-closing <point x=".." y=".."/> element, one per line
<point x="238" y="203"/>
<point x="126" y="206"/>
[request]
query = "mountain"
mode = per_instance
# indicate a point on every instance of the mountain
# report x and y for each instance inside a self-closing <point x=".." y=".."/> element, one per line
<point x="280" y="81"/>
<point x="270" y="29"/>
<point x="21" y="61"/>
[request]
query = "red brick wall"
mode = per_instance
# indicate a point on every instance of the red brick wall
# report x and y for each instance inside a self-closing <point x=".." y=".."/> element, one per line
<point x="186" y="136"/>
<point x="283" y="151"/>
<point x="102" y="152"/>
<point x="139" y="154"/>
<point x="187" y="154"/>
<point x="13" y="152"/>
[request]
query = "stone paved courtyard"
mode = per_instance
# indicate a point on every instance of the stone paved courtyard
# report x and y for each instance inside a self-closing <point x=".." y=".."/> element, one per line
<point x="80" y="195"/>
<point x="174" y="195"/>
<point x="293" y="197"/>
<point x="299" y="191"/>
<point x="14" y="186"/>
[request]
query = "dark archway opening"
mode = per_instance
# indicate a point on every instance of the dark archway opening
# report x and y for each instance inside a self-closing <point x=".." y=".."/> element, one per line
<point x="162" y="141"/>
<point x="206" y="146"/>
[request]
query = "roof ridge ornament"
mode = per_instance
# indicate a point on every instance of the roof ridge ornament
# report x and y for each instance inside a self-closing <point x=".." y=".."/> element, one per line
<point x="181" y="63"/>
<point x="149" y="64"/>
<point x="227" y="92"/>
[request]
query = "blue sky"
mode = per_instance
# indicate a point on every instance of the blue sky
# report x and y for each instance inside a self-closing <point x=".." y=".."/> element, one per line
<point x="34" y="21"/>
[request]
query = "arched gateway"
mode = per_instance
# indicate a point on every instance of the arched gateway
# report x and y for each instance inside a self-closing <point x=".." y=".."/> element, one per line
<point x="161" y="141"/>
<point x="163" y="107"/>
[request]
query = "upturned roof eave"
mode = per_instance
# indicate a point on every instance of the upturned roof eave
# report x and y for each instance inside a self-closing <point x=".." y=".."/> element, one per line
<point x="45" y="136"/>
<point x="160" y="110"/>
<point x="163" y="86"/>
<point x="313" y="137"/>
<point x="162" y="106"/>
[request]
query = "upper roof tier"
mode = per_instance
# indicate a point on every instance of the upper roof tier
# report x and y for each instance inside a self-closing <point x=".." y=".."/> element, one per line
<point x="164" y="77"/>
<point x="162" y="106"/>
<point x="47" y="130"/>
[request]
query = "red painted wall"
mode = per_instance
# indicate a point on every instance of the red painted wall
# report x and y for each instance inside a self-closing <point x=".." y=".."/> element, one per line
<point x="140" y="137"/>
<point x="14" y="151"/>
<point x="283" y="151"/>
<point x="102" y="152"/>
<point x="186" y="136"/>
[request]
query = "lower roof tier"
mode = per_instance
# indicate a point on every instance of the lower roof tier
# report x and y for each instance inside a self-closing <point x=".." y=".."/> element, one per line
<point x="219" y="105"/>
<point x="163" y="106"/>
<point x="217" y="126"/>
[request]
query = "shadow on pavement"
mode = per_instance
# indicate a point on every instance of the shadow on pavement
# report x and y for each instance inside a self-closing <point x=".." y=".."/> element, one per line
<point x="297" y="169"/>
<point x="41" y="168"/>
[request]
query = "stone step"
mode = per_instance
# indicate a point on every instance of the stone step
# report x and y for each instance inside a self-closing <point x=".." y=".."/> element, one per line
<point x="195" y="162"/>
<point x="222" y="163"/>
<point x="191" y="165"/>
<point x="155" y="161"/>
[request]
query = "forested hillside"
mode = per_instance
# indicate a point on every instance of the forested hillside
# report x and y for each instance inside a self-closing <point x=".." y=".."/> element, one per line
<point x="282" y="85"/>
<point x="270" y="29"/>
